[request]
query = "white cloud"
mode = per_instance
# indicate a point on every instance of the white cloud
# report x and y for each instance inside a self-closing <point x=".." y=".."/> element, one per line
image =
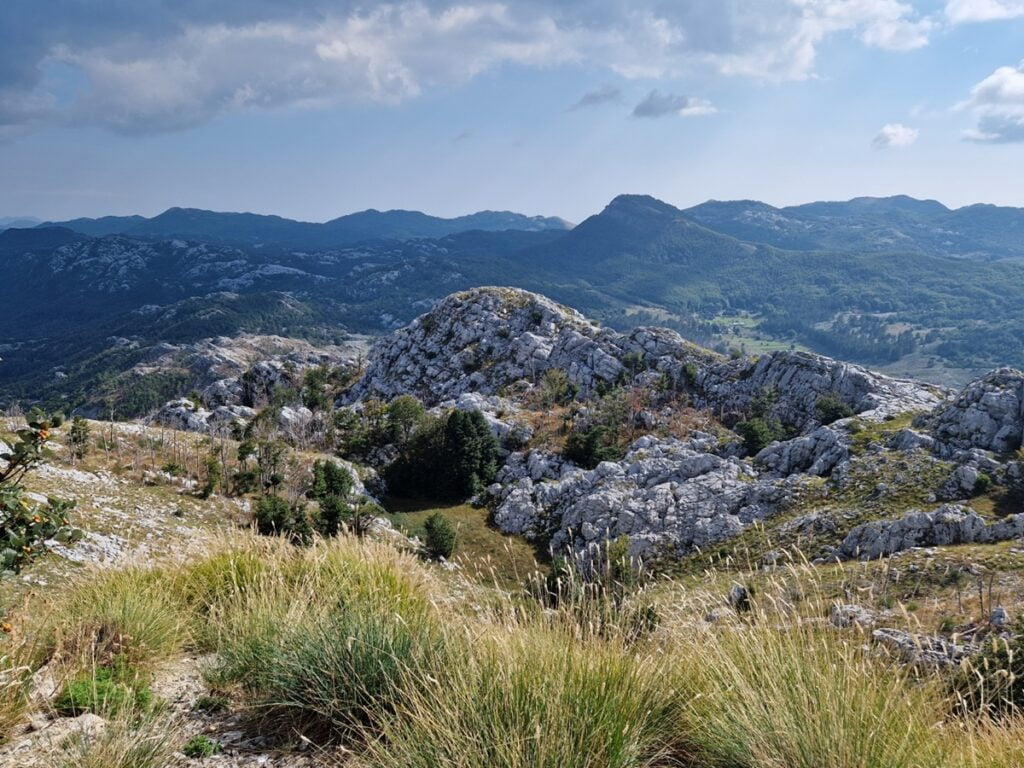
<point x="151" y="69"/>
<point x="895" y="135"/>
<point x="966" y="11"/>
<point x="998" y="103"/>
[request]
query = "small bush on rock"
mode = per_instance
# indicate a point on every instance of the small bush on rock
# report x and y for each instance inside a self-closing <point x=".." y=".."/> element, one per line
<point x="200" y="746"/>
<point x="830" y="407"/>
<point x="275" y="516"/>
<point x="589" y="447"/>
<point x="759" y="433"/>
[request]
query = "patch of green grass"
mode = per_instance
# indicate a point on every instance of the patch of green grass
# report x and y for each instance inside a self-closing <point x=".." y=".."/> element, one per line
<point x="200" y="746"/>
<point x="211" y="704"/>
<point x="108" y="690"/>
<point x="535" y="699"/>
<point x="482" y="549"/>
<point x="867" y="432"/>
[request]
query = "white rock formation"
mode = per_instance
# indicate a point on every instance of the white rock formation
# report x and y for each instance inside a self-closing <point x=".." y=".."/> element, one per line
<point x="666" y="495"/>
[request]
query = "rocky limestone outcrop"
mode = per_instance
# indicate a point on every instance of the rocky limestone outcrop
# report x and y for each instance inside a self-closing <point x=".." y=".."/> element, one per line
<point x="799" y="379"/>
<point x="817" y="453"/>
<point x="666" y="495"/>
<point x="988" y="414"/>
<point x="922" y="650"/>
<point x="484" y="339"/>
<point x="949" y="524"/>
<point x="186" y="415"/>
<point x="189" y="416"/>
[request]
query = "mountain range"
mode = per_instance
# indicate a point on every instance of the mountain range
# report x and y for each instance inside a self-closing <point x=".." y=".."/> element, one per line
<point x="80" y="309"/>
<point x="874" y="224"/>
<point x="256" y="229"/>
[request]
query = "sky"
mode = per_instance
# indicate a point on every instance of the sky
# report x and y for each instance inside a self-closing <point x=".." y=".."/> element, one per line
<point x="315" y="108"/>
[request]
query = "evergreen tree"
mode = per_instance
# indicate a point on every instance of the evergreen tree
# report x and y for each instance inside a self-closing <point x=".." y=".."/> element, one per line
<point x="78" y="437"/>
<point x="440" y="536"/>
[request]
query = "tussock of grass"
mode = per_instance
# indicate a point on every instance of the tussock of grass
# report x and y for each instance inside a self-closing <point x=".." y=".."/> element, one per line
<point x="535" y="698"/>
<point x="323" y="639"/>
<point x="804" y="697"/>
<point x="15" y="676"/>
<point x="988" y="744"/>
<point x="130" y="613"/>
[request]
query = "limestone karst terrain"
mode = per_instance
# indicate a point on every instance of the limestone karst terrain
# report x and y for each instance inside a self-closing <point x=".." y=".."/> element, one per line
<point x="892" y="506"/>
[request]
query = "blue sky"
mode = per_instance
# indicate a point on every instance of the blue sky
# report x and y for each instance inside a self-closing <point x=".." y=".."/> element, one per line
<point x="315" y="108"/>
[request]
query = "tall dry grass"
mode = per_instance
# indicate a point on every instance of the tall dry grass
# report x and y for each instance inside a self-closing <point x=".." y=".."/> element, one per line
<point x="356" y="643"/>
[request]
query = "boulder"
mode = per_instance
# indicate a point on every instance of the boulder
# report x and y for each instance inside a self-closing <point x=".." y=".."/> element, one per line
<point x="988" y="414"/>
<point x="922" y="650"/>
<point x="816" y="453"/>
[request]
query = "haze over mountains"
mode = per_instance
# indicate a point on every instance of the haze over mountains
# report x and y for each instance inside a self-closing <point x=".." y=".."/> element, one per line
<point x="911" y="287"/>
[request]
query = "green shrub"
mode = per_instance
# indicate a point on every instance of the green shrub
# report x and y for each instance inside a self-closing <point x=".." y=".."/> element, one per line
<point x="589" y="447"/>
<point x="983" y="484"/>
<point x="557" y="388"/>
<point x="276" y="517"/>
<point x="404" y="414"/>
<point x="200" y="746"/>
<point x="26" y="525"/>
<point x="211" y="703"/>
<point x="758" y="433"/>
<point x="830" y="407"/>
<point x="330" y="479"/>
<point x="78" y="437"/>
<point x="440" y="536"/>
<point x="331" y="489"/>
<point x="107" y="690"/>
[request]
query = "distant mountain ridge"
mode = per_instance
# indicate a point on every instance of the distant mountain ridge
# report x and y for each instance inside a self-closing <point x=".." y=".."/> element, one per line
<point x="875" y="224"/>
<point x="897" y="224"/>
<point x="260" y="229"/>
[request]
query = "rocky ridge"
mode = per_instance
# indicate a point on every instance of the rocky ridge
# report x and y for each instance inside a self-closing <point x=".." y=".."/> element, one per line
<point x="479" y="349"/>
